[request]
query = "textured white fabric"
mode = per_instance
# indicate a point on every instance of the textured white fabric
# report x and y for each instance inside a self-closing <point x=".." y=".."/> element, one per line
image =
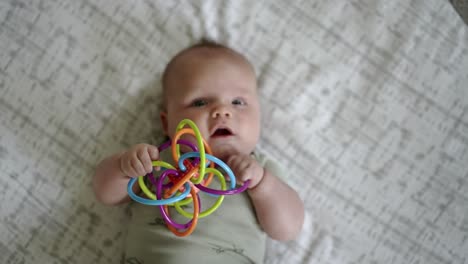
<point x="365" y="102"/>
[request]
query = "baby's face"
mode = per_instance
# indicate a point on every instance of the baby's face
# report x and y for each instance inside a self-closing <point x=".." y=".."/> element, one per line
<point x="220" y="95"/>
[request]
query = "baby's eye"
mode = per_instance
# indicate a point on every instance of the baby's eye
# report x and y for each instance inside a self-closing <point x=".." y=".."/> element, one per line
<point x="199" y="103"/>
<point x="238" y="102"/>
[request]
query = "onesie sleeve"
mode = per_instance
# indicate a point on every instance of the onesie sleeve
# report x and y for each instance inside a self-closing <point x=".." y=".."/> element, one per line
<point x="271" y="165"/>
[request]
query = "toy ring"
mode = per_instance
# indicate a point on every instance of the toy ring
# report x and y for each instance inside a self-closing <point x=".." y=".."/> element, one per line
<point x="178" y="186"/>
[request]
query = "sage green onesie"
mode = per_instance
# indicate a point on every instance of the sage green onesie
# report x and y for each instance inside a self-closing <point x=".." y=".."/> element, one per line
<point x="231" y="234"/>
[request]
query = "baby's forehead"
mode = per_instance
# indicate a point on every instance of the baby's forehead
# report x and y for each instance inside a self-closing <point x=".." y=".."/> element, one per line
<point x="194" y="56"/>
<point x="189" y="60"/>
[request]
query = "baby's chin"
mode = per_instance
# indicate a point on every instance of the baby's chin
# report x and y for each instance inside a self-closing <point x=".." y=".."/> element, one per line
<point x="221" y="150"/>
<point x="224" y="153"/>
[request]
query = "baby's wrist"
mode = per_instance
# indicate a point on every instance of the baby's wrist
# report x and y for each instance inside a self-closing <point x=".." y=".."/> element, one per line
<point x="262" y="176"/>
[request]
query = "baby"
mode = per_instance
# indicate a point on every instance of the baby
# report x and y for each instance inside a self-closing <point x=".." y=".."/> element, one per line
<point x="215" y="87"/>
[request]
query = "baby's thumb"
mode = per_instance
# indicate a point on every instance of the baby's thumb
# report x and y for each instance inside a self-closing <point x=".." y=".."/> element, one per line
<point x="153" y="152"/>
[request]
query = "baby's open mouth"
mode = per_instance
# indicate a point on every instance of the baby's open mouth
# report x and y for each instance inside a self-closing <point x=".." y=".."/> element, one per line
<point x="222" y="132"/>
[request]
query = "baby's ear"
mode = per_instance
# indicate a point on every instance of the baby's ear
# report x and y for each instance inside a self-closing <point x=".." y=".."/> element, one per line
<point x="163" y="116"/>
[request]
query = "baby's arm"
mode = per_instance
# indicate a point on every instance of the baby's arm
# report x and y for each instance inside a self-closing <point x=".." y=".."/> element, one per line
<point x="279" y="208"/>
<point x="113" y="173"/>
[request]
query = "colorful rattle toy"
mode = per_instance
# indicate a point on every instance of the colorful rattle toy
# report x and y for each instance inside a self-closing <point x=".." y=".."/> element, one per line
<point x="177" y="186"/>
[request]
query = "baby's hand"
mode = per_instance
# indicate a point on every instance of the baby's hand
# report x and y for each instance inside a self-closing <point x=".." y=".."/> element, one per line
<point x="246" y="168"/>
<point x="137" y="161"/>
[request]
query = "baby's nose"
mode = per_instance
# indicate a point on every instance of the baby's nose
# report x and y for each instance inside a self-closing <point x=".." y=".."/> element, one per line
<point x="221" y="111"/>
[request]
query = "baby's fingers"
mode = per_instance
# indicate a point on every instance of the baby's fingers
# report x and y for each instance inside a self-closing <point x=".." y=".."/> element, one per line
<point x="153" y="152"/>
<point x="137" y="168"/>
<point x="145" y="160"/>
<point x="126" y="166"/>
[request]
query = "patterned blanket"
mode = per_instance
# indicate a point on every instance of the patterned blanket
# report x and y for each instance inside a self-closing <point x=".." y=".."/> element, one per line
<point x="365" y="102"/>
